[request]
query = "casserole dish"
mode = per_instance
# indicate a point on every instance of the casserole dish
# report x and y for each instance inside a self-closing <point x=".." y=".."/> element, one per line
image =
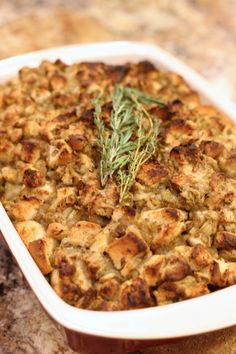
<point x="117" y="332"/>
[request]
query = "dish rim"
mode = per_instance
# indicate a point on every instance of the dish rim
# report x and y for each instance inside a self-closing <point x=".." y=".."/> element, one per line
<point x="185" y="318"/>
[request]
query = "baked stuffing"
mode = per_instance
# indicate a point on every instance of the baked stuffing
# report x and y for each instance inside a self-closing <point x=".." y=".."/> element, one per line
<point x="174" y="235"/>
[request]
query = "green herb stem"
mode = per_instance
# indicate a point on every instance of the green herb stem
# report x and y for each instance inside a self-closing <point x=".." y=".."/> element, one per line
<point x="126" y="144"/>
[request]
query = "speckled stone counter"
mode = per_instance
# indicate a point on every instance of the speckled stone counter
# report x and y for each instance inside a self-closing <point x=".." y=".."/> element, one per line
<point x="201" y="32"/>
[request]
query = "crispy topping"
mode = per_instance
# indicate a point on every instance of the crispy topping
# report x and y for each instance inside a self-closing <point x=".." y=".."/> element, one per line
<point x="119" y="182"/>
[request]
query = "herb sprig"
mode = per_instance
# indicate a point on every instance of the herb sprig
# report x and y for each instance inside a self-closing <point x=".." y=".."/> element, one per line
<point x="131" y="139"/>
<point x="116" y="145"/>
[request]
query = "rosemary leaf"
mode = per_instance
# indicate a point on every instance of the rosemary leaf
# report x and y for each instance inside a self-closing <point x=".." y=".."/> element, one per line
<point x="115" y="145"/>
<point x="145" y="148"/>
<point x="143" y="97"/>
<point x="131" y="138"/>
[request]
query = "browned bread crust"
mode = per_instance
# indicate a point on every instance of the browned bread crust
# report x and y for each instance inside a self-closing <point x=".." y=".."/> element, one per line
<point x="174" y="238"/>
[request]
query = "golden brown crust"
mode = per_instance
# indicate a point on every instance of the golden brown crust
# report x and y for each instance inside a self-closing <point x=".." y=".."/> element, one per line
<point x="152" y="173"/>
<point x="225" y="240"/>
<point x="25" y="209"/>
<point x="124" y="249"/>
<point x="180" y="290"/>
<point x="42" y="250"/>
<point x="30" y="231"/>
<point x="174" y="238"/>
<point x="134" y="294"/>
<point x="32" y="178"/>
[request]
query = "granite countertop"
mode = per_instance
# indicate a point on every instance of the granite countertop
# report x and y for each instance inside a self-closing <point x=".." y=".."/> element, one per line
<point x="201" y="32"/>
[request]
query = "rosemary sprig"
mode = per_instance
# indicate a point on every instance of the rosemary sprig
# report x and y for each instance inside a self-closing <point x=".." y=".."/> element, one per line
<point x="131" y="139"/>
<point x="146" y="144"/>
<point x="143" y="97"/>
<point x="115" y="145"/>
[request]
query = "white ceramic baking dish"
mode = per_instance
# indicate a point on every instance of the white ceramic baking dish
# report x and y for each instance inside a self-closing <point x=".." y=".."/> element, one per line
<point x="117" y="332"/>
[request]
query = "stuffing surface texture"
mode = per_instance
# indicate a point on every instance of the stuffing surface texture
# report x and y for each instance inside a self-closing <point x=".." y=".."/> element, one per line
<point x="174" y="238"/>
